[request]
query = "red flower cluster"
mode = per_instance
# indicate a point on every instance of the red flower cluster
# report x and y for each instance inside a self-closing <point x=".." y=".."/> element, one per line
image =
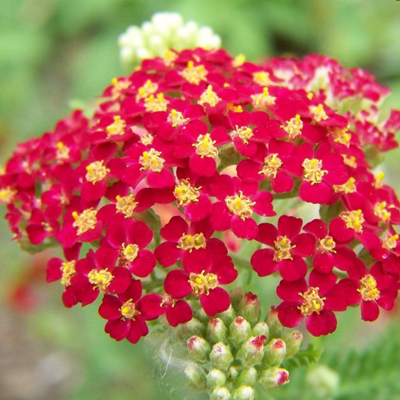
<point x="209" y="143"/>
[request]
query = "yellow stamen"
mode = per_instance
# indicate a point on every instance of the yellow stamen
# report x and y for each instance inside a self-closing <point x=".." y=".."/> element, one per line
<point x="185" y="193"/>
<point x="293" y="127"/>
<point x="62" y="151"/>
<point x="100" y="279"/>
<point x="85" y="221"/>
<point x="194" y="74"/>
<point x="283" y="248"/>
<point x="175" y="118"/>
<point x="382" y="212"/>
<point x="146" y="90"/>
<point x="155" y="104"/>
<point x="312" y="302"/>
<point x="151" y="161"/>
<point x="261" y="101"/>
<point x="205" y="146"/>
<point x="209" y="97"/>
<point x="96" y="172"/>
<point x="368" y="288"/>
<point x="130" y="252"/>
<point x="318" y="112"/>
<point x="117" y="128"/>
<point x="348" y="187"/>
<point x="244" y="132"/>
<point x="353" y="219"/>
<point x="126" y="205"/>
<point x="272" y="164"/>
<point x="192" y="242"/>
<point x="239" y="61"/>
<point x="202" y="283"/>
<point x="313" y="171"/>
<point x="240" y="205"/>
<point x="327" y="245"/>
<point x="68" y="271"/>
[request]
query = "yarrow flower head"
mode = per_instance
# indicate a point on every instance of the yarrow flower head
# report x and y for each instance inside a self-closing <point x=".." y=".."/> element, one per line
<point x="173" y="185"/>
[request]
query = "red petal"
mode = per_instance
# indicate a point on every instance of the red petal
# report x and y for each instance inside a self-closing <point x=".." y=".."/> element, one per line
<point x="109" y="308"/>
<point x="244" y="229"/>
<point x="167" y="254"/>
<point x="289" y="314"/>
<point x="262" y="262"/>
<point x="215" y="302"/>
<point x="322" y="323"/>
<point x="177" y="284"/>
<point x="179" y="313"/>
<point x="144" y="264"/>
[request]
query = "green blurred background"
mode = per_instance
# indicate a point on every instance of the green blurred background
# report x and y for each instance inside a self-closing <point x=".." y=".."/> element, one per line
<point x="58" y="53"/>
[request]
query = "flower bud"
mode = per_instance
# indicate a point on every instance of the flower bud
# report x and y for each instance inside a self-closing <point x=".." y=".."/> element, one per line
<point x="221" y="393"/>
<point x="323" y="381"/>
<point x="239" y="331"/>
<point x="275" y="352"/>
<point x="236" y="297"/>
<point x="216" y="378"/>
<point x="275" y="327"/>
<point x="252" y="352"/>
<point x="228" y="316"/>
<point x="216" y="331"/>
<point x="249" y="308"/>
<point x="192" y="328"/>
<point x="274" y="377"/>
<point x="293" y="340"/>
<point x="243" y="393"/>
<point x="195" y="376"/>
<point x="198" y="348"/>
<point x="221" y="356"/>
<point x="202" y="316"/>
<point x="247" y="377"/>
<point x="233" y="373"/>
<point x="261" y="329"/>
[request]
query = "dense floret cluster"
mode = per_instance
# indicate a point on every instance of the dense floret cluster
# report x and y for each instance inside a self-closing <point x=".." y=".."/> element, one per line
<point x="186" y="162"/>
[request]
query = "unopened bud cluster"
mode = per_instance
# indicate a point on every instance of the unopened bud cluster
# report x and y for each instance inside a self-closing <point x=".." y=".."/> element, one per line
<point x="166" y="30"/>
<point x="237" y="350"/>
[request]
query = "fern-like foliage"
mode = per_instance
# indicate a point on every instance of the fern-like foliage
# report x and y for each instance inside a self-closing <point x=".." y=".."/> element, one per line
<point x="304" y="358"/>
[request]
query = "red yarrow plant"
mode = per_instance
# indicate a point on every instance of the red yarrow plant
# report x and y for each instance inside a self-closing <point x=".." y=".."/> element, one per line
<point x="197" y="147"/>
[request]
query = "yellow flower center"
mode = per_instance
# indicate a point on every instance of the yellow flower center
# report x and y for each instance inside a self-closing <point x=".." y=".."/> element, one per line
<point x="368" y="288"/>
<point x="271" y="166"/>
<point x="262" y="100"/>
<point x="169" y="58"/>
<point x="185" y="193"/>
<point x="151" y="161"/>
<point x="379" y="179"/>
<point x="129" y="252"/>
<point x="327" y="245"/>
<point x="100" y="279"/>
<point x="239" y="60"/>
<point x="175" y="118"/>
<point x="341" y="135"/>
<point x="390" y="242"/>
<point x="205" y="146"/>
<point x="146" y="90"/>
<point x="85" y="221"/>
<point x="202" y="283"/>
<point x="353" y="219"/>
<point x="283" y="248"/>
<point x="243" y="132"/>
<point x="261" y="78"/>
<point x="209" y="96"/>
<point x="312" y="302"/>
<point x="194" y="74"/>
<point x="348" y="187"/>
<point x="232" y="107"/>
<point x="6" y="195"/>
<point x="382" y="212"/>
<point x="68" y="271"/>
<point x="350" y="161"/>
<point x="128" y="310"/>
<point x="126" y="205"/>
<point x="147" y="139"/>
<point x="240" y="205"/>
<point x="62" y="151"/>
<point x="192" y="242"/>
<point x="318" y="113"/>
<point x="313" y="171"/>
<point x="96" y="172"/>
<point x="154" y="104"/>
<point x="293" y="127"/>
<point x="116" y="128"/>
<point x="119" y="86"/>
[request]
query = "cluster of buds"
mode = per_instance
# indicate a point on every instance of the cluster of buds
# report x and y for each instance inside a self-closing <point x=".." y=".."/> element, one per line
<point x="237" y="351"/>
<point x="196" y="148"/>
<point x="165" y="30"/>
